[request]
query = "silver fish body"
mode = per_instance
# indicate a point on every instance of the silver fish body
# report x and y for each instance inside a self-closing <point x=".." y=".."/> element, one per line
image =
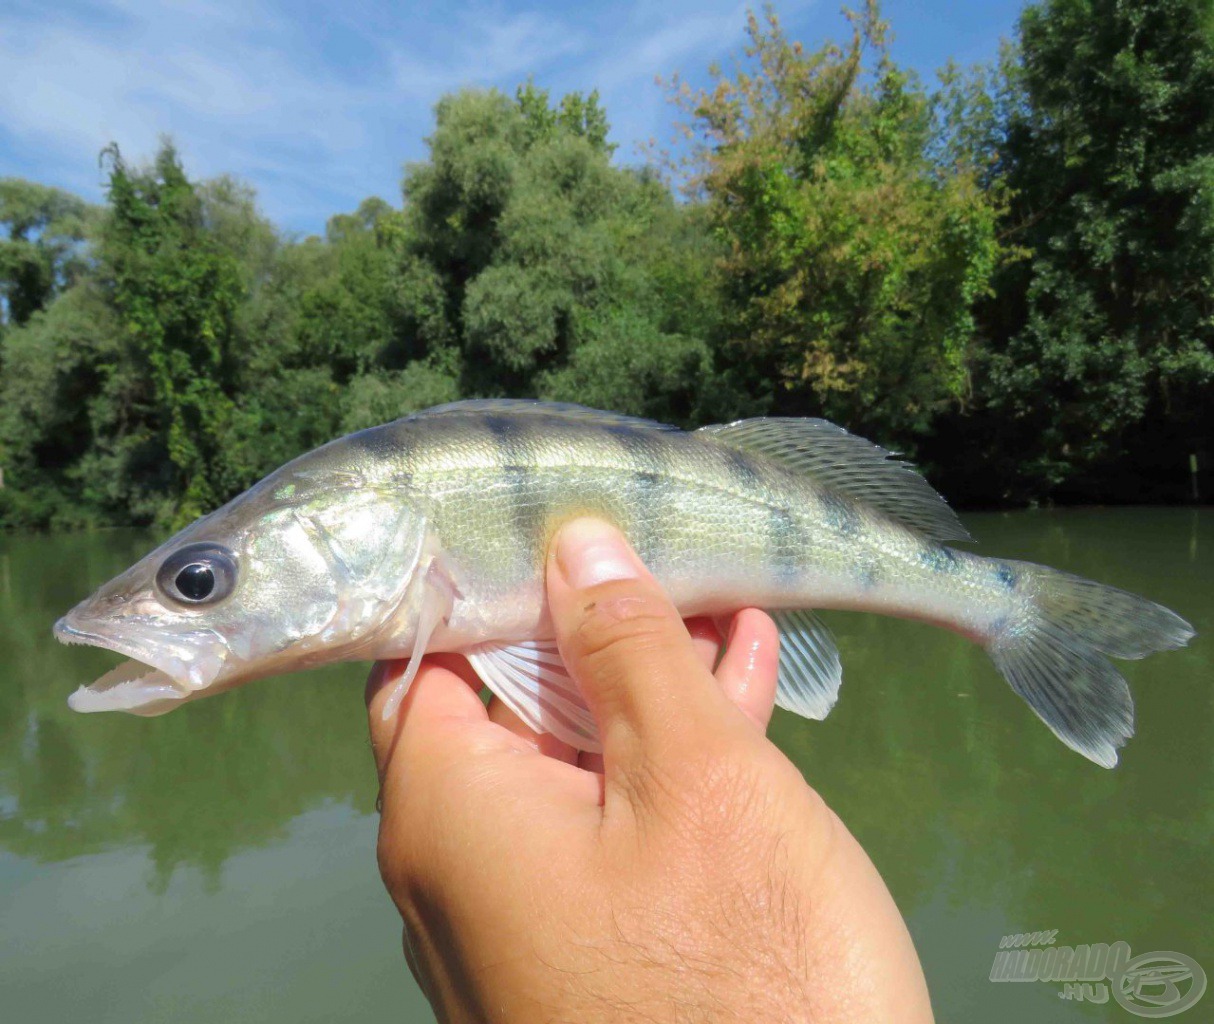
<point x="430" y="534"/>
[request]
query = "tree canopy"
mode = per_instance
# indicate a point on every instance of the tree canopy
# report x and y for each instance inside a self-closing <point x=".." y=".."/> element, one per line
<point x="1105" y="333"/>
<point x="854" y="251"/>
<point x="42" y="254"/>
<point x="1009" y="273"/>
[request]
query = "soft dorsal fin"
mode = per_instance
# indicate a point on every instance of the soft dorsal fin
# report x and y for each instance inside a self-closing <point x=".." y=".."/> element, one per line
<point x="534" y="407"/>
<point x="849" y="465"/>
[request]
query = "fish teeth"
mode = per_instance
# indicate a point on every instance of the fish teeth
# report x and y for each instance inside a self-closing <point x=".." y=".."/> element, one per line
<point x="130" y="685"/>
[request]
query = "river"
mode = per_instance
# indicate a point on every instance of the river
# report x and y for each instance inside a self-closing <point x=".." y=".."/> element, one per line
<point x="217" y="864"/>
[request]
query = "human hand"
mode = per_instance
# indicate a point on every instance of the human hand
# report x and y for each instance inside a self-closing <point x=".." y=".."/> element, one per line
<point x="690" y="874"/>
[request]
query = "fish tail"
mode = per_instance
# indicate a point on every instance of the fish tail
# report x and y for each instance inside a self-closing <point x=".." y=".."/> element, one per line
<point x="1054" y="652"/>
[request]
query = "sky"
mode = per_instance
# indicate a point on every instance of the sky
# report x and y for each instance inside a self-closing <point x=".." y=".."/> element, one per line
<point x="319" y="105"/>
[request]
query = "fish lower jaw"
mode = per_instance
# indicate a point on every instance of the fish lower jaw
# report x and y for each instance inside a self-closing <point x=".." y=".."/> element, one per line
<point x="135" y="686"/>
<point x="132" y="686"/>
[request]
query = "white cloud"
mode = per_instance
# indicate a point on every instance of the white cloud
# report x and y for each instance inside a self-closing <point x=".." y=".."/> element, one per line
<point x="668" y="45"/>
<point x="316" y="110"/>
<point x="482" y="49"/>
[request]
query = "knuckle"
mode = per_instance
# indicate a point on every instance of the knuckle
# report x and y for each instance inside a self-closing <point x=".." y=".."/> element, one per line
<point x="395" y="862"/>
<point x="404" y="848"/>
<point x="615" y="627"/>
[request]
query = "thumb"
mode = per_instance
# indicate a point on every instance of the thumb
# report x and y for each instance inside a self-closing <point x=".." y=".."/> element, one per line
<point x="626" y="645"/>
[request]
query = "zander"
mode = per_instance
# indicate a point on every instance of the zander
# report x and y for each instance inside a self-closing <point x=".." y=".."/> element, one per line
<point x="430" y="533"/>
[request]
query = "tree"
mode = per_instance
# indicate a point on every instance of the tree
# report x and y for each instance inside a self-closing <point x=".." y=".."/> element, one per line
<point x="53" y="374"/>
<point x="1103" y="341"/>
<point x="348" y="317"/>
<point x="43" y="253"/>
<point x="174" y="291"/>
<point x="854" y="249"/>
<point x="575" y="114"/>
<point x="560" y="275"/>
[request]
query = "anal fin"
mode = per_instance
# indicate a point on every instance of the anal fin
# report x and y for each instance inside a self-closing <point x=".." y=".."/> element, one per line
<point x="810" y="671"/>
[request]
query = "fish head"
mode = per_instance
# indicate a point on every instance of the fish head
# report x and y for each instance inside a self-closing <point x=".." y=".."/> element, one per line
<point x="264" y="585"/>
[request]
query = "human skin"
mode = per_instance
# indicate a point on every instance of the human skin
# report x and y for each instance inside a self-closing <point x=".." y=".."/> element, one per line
<point x="689" y="874"/>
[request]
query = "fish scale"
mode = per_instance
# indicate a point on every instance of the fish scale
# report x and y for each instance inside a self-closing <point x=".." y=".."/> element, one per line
<point x="430" y="534"/>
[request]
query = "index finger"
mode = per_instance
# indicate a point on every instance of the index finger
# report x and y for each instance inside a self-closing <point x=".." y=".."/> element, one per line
<point x="440" y="694"/>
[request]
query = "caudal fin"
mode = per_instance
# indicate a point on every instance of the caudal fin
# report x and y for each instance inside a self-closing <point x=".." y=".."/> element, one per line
<point x="1054" y="655"/>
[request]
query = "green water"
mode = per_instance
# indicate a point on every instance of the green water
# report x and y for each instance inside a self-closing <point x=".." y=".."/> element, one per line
<point x="217" y="864"/>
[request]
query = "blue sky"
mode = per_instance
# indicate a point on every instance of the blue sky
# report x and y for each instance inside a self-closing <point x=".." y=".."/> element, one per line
<point x="319" y="105"/>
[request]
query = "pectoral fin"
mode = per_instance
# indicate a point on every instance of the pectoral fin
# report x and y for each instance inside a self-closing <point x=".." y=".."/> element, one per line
<point x="531" y="680"/>
<point x="438" y="598"/>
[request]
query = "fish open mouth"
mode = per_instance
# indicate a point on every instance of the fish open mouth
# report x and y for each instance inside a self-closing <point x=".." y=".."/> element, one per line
<point x="133" y="686"/>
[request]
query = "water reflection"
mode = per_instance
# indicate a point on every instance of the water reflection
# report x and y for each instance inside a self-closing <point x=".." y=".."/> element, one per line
<point x="980" y="820"/>
<point x="193" y="787"/>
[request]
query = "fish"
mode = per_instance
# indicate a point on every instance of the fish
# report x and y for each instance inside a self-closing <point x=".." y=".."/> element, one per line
<point x="430" y="533"/>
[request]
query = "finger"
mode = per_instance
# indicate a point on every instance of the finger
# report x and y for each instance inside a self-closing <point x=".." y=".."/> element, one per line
<point x="707" y="640"/>
<point x="437" y="695"/>
<point x="749" y="667"/>
<point x="625" y="644"/>
<point x="544" y="742"/>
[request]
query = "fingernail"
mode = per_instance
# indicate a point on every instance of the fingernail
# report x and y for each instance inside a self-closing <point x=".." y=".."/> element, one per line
<point x="589" y="552"/>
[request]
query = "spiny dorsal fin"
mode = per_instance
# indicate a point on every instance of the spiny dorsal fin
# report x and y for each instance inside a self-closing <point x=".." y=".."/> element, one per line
<point x="849" y="465"/>
<point x="534" y="407"/>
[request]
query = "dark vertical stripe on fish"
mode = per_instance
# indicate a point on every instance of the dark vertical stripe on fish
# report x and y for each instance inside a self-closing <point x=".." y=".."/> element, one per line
<point x="529" y="511"/>
<point x="939" y="559"/>
<point x="868" y="572"/>
<point x="637" y="445"/>
<point x="511" y="438"/>
<point x="743" y="474"/>
<point x="785" y="545"/>
<point x="642" y="509"/>
<point x="1005" y="576"/>
<point x="841" y="515"/>
<point x="645" y="506"/>
<point x="647" y="461"/>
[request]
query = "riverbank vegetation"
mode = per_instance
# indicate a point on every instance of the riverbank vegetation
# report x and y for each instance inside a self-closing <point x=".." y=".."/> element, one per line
<point x="1008" y="275"/>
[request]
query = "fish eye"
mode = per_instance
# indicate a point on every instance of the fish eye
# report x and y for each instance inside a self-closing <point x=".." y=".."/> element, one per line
<point x="197" y="574"/>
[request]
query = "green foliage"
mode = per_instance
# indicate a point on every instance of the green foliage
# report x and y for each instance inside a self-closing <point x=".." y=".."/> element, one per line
<point x="1011" y="274"/>
<point x="855" y="252"/>
<point x="175" y="289"/>
<point x="292" y="411"/>
<point x="42" y="254"/>
<point x="1107" y="331"/>
<point x="52" y="376"/>
<point x="560" y="274"/>
<point x="346" y="319"/>
<point x="574" y="115"/>
<point x="375" y="398"/>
